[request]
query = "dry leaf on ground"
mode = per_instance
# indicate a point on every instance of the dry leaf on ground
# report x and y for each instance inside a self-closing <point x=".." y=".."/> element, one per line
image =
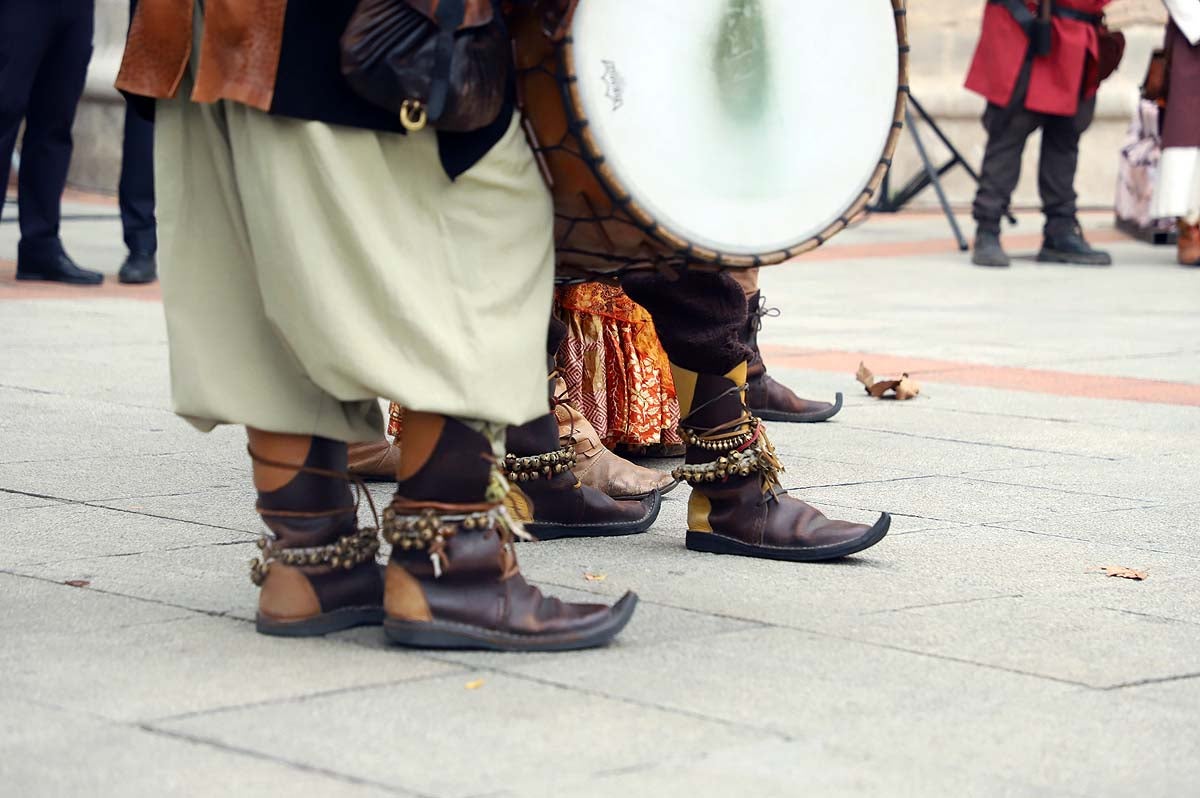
<point x="77" y="582"/>
<point x="475" y="685"/>
<point x="1122" y="572"/>
<point x="595" y="577"/>
<point x="902" y="389"/>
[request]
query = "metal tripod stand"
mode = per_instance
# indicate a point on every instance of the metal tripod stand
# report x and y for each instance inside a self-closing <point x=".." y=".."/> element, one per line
<point x="930" y="175"/>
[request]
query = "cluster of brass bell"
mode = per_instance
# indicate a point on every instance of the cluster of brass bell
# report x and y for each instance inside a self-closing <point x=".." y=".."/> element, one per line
<point x="416" y="532"/>
<point x="721" y="444"/>
<point x="539" y="466"/>
<point x="734" y="464"/>
<point x="346" y="552"/>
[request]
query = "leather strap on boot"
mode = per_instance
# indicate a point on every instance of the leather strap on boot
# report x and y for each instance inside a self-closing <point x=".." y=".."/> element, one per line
<point x="346" y="552"/>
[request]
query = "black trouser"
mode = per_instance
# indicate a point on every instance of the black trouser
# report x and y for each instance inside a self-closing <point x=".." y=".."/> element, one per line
<point x="136" y="191"/>
<point x="45" y="47"/>
<point x="1008" y="129"/>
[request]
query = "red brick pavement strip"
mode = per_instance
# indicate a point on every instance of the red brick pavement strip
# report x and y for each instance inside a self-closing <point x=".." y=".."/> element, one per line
<point x="1043" y="381"/>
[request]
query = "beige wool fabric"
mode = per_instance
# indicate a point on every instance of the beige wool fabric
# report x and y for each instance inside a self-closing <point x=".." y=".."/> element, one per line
<point x="308" y="270"/>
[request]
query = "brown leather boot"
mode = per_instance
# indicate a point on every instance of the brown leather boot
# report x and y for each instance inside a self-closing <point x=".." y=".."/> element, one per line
<point x="551" y="501"/>
<point x="771" y="400"/>
<point x="375" y="461"/>
<point x="737" y="505"/>
<point x="1189" y="244"/>
<point x="598" y="467"/>
<point x="453" y="579"/>
<point x="317" y="570"/>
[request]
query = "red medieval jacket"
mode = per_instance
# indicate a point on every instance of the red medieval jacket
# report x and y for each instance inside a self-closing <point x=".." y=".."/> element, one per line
<point x="1058" y="80"/>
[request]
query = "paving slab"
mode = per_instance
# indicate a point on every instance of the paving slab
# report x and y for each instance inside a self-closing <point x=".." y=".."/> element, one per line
<point x="415" y="736"/>
<point x="191" y="665"/>
<point x="1162" y="528"/>
<point x="120" y="477"/>
<point x="73" y="532"/>
<point x="50" y="751"/>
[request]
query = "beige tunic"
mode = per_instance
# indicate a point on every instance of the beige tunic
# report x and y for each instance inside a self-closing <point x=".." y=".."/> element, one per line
<point x="308" y="270"/>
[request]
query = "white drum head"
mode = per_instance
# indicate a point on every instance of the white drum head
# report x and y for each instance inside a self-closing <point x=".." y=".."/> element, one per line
<point x="744" y="126"/>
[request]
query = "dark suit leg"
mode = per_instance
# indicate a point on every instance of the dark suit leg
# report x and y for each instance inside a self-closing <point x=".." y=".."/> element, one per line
<point x="46" y="146"/>
<point x="1058" y="165"/>
<point x="25" y="29"/>
<point x="136" y="191"/>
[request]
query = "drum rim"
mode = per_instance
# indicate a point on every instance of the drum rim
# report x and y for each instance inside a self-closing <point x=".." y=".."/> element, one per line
<point x="580" y="124"/>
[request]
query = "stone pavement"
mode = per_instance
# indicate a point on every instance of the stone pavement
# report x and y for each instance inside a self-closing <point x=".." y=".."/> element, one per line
<point x="978" y="650"/>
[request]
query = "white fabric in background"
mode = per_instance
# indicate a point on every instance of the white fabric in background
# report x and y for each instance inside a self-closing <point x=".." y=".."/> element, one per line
<point x="1186" y="14"/>
<point x="1178" y="192"/>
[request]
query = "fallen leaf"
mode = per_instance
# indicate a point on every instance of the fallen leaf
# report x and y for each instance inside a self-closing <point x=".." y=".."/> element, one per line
<point x="902" y="389"/>
<point x="865" y="376"/>
<point x="474" y="685"/>
<point x="907" y="388"/>
<point x="1122" y="572"/>
<point x="77" y="582"/>
<point x="595" y="577"/>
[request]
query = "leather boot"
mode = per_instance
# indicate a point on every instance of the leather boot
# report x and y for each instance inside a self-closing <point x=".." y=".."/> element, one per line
<point x="1189" y="244"/>
<point x="453" y="579"/>
<point x="737" y="505"/>
<point x="549" y="499"/>
<point x="317" y="570"/>
<point x="988" y="250"/>
<point x="768" y="399"/>
<point x="1068" y="245"/>
<point x="595" y="465"/>
<point x="375" y="461"/>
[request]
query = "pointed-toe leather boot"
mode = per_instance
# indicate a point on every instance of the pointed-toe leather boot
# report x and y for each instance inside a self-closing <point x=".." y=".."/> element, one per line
<point x="549" y="499"/>
<point x="453" y="580"/>
<point x="595" y="465"/>
<point x="771" y="400"/>
<point x="375" y="461"/>
<point x="737" y="505"/>
<point x="317" y="570"/>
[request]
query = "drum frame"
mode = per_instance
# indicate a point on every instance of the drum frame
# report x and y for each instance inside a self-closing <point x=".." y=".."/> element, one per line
<point x="580" y="125"/>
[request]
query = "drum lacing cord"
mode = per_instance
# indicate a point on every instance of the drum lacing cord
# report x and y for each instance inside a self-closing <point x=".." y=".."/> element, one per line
<point x="772" y="489"/>
<point x="763" y="312"/>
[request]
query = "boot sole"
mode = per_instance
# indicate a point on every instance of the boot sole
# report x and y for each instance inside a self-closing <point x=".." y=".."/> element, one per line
<point x="801" y="418"/>
<point x="1054" y="256"/>
<point x="712" y="543"/>
<point x="548" y="531"/>
<point x="450" y="635"/>
<point x="323" y="624"/>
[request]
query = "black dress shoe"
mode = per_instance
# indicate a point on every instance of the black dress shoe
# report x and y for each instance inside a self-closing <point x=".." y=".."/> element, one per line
<point x="139" y="268"/>
<point x="1071" y="247"/>
<point x="59" y="270"/>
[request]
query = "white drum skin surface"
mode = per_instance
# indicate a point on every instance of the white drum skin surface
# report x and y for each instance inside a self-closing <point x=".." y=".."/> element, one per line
<point x="745" y="126"/>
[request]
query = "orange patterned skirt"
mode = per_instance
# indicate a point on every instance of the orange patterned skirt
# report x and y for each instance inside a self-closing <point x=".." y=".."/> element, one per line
<point x="616" y="371"/>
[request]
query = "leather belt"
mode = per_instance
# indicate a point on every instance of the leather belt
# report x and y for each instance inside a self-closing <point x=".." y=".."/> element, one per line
<point x="1026" y="18"/>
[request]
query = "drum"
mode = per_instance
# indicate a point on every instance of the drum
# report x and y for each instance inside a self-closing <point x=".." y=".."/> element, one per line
<point x="718" y="134"/>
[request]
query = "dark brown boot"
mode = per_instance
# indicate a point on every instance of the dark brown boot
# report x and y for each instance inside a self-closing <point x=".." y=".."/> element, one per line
<point x="550" y="500"/>
<point x="1189" y="244"/>
<point x="453" y="579"/>
<point x="317" y="569"/>
<point x="375" y="461"/>
<point x="737" y="505"/>
<point x="771" y="400"/>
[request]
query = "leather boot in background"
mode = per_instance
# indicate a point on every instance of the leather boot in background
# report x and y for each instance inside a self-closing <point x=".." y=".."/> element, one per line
<point x="595" y="465"/>
<point x="375" y="461"/>
<point x="453" y="580"/>
<point x="1189" y="244"/>
<point x="771" y="400"/>
<point x="317" y="570"/>
<point x="551" y="501"/>
<point x="737" y="504"/>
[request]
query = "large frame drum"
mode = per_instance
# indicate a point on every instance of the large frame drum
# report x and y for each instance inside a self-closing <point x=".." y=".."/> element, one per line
<point x="711" y="133"/>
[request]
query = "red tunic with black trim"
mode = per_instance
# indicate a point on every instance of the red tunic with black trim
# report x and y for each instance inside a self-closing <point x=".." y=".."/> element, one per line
<point x="1058" y="80"/>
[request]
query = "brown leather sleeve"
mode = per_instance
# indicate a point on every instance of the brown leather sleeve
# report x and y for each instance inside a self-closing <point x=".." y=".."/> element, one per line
<point x="158" y="49"/>
<point x="239" y="58"/>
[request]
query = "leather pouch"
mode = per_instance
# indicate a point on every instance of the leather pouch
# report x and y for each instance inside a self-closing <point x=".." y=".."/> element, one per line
<point x="441" y="63"/>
